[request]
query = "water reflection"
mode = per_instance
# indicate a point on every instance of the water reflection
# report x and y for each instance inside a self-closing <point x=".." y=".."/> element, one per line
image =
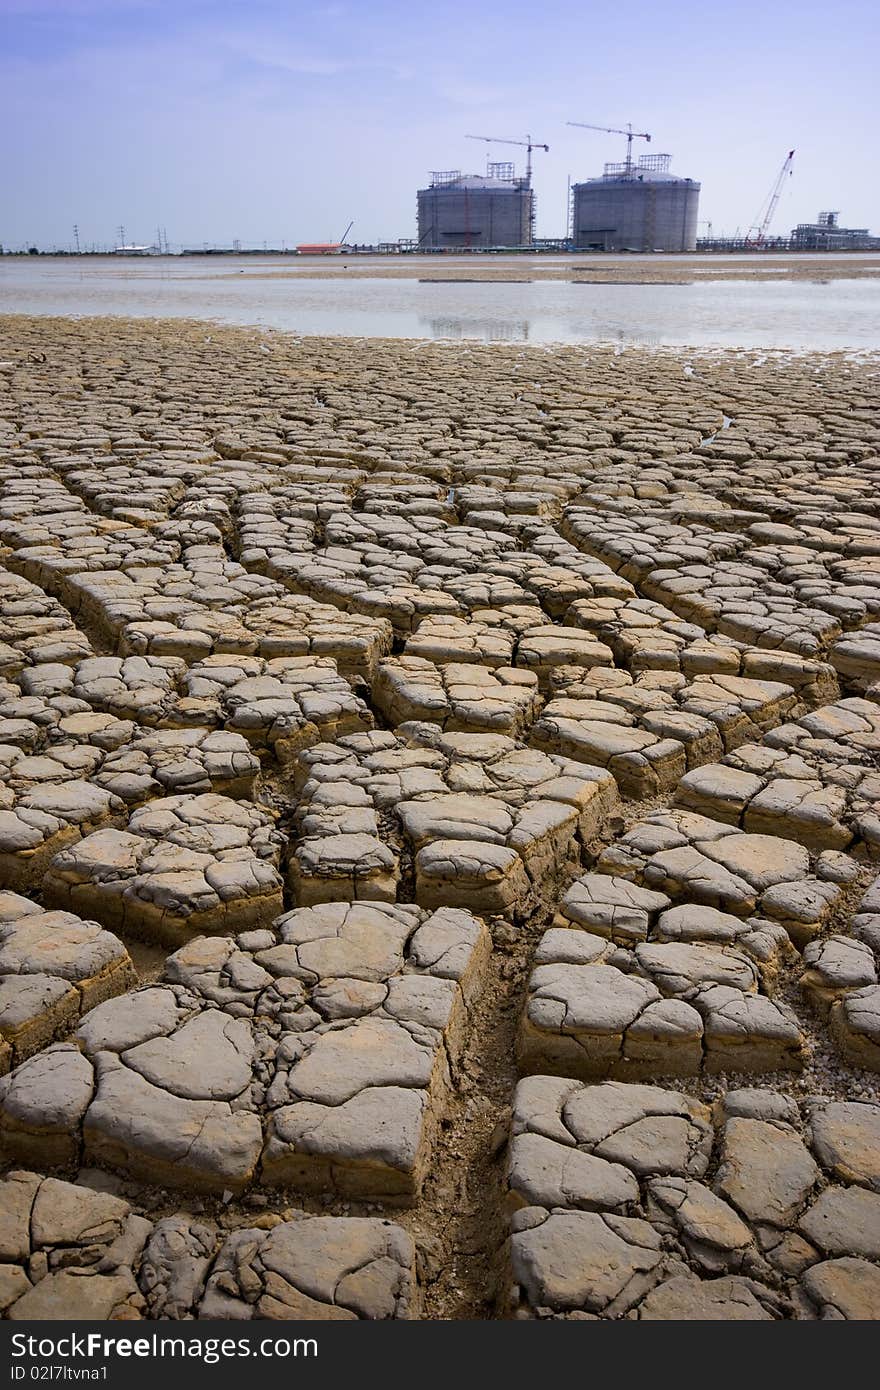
<point x="844" y="314"/>
<point x="622" y="338"/>
<point x="487" y="330"/>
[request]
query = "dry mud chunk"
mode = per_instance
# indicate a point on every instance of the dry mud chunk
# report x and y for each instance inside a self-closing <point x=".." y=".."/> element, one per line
<point x="579" y="1242"/>
<point x="327" y="1136"/>
<point x="713" y="1235"/>
<point x="280" y="705"/>
<point x="79" y="1295"/>
<point x="355" y="1102"/>
<point x="731" y="599"/>
<point x="542" y="649"/>
<point x="176" y="1261"/>
<point x="38" y="823"/>
<point x="53" y="967"/>
<point x="173" y="761"/>
<point x="627" y="914"/>
<point x="17" y="1192"/>
<point x="456" y="696"/>
<point x="320" y="1268"/>
<point x="866" y="923"/>
<point x="800" y="810"/>
<point x="144" y="1129"/>
<point x="836" y="967"/>
<point x="813" y="781"/>
<point x="76" y="1223"/>
<point x="35" y="628"/>
<point x="42" y="1104"/>
<point x="602" y="733"/>
<point x="686" y="855"/>
<point x="543" y="1172"/>
<point x="612" y="907"/>
<point x="447" y="639"/>
<point x="319" y="1050"/>
<point x="578" y="1016"/>
<point x="648" y="730"/>
<point x="134" y="687"/>
<point x="766" y="1171"/>
<point x="758" y="1238"/>
<point x="491" y="826"/>
<point x="844" y="1221"/>
<point x="857" y="656"/>
<point x="686" y="1299"/>
<point x="740" y="707"/>
<point x="668" y="1008"/>
<point x="171" y="1089"/>
<point x="845" y="1136"/>
<point x="185" y="865"/>
<point x="843" y="1289"/>
<point x="75" y="1253"/>
<point x="372" y="580"/>
<point x="646" y="636"/>
<point x="855" y="1024"/>
<point x="296" y="626"/>
<point x="649" y="1130"/>
<point x="586" y="1261"/>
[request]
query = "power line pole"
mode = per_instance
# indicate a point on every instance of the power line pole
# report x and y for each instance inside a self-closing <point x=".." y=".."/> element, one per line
<point x="76" y="237"/>
<point x="121" y="231"/>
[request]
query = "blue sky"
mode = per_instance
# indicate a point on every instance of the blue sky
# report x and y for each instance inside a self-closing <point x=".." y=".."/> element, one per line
<point x="268" y="120"/>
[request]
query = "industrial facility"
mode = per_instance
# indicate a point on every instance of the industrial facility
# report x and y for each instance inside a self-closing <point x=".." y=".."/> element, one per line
<point x="635" y="207"/>
<point x="826" y="235"/>
<point x="472" y="211"/>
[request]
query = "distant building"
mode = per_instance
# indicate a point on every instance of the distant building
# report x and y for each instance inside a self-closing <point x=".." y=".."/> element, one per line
<point x="636" y="207"/>
<point x="468" y="212"/>
<point x="825" y="235"/>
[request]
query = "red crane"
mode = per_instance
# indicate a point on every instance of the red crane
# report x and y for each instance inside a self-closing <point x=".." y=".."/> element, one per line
<point x="762" y="223"/>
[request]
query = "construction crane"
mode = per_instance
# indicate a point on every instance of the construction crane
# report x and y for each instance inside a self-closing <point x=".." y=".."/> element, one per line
<point x="614" y="130"/>
<point x="529" y="145"/>
<point x="761" y="227"/>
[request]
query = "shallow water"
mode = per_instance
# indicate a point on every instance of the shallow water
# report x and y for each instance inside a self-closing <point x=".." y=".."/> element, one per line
<point x="836" y="314"/>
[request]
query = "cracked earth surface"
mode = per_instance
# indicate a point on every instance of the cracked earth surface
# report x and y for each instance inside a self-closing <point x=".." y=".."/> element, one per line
<point x="439" y="829"/>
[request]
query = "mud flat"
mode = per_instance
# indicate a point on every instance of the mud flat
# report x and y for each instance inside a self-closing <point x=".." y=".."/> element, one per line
<point x="586" y="268"/>
<point x="439" y="838"/>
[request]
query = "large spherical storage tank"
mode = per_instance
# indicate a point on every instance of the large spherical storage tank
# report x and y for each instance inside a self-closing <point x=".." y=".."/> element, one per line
<point x="641" y="211"/>
<point x="469" y="212"/>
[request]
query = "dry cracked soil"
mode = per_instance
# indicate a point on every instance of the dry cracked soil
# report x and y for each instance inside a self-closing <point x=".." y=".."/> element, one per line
<point x="439" y="829"/>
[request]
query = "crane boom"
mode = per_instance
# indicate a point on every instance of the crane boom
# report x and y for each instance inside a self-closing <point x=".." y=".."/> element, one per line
<point x="615" y="130"/>
<point x="529" y="144"/>
<point x="761" y="228"/>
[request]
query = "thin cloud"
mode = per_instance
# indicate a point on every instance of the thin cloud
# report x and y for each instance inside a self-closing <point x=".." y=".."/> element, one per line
<point x="472" y="93"/>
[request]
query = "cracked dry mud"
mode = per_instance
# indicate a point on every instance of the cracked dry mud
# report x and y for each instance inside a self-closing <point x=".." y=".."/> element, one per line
<point x="439" y="839"/>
